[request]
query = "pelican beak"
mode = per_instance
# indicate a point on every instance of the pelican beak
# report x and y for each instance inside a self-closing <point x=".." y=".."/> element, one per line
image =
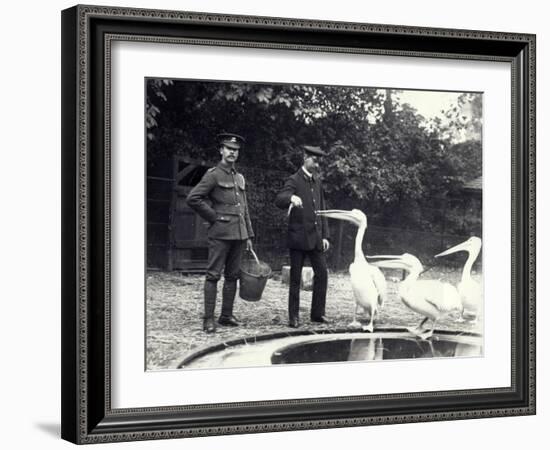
<point x="463" y="247"/>
<point x="339" y="214"/>
<point x="388" y="261"/>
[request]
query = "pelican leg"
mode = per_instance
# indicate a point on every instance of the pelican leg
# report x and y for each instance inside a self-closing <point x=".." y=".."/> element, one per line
<point x="461" y="318"/>
<point x="355" y="323"/>
<point x="417" y="331"/>
<point x="370" y="326"/>
<point x="429" y="333"/>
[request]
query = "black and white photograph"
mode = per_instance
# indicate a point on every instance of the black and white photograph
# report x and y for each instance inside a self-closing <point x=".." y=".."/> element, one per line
<point x="311" y="224"/>
<point x="275" y="225"/>
<point x="275" y="221"/>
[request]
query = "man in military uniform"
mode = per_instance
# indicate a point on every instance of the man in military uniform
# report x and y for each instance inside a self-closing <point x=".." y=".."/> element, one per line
<point x="308" y="234"/>
<point x="220" y="199"/>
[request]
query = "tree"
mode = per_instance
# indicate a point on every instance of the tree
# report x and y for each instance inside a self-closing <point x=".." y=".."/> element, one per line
<point x="382" y="156"/>
<point x="155" y="93"/>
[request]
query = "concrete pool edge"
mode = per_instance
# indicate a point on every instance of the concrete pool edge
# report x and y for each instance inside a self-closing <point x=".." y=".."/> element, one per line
<point x="279" y="337"/>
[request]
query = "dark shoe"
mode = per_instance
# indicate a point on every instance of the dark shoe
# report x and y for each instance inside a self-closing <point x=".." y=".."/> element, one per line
<point x="321" y="319"/>
<point x="229" y="321"/>
<point x="294" y="323"/>
<point x="208" y="325"/>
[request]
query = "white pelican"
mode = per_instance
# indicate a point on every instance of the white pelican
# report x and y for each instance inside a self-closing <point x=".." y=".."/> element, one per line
<point x="368" y="282"/>
<point x="430" y="298"/>
<point x="468" y="288"/>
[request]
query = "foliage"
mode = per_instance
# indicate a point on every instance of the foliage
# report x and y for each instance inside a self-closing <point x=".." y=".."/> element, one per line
<point x="462" y="121"/>
<point x="383" y="157"/>
<point x="154" y="93"/>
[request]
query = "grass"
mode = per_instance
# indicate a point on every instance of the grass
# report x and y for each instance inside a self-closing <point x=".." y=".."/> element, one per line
<point x="175" y="309"/>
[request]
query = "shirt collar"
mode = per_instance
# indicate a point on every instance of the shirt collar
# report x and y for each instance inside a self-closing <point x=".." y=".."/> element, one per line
<point x="226" y="168"/>
<point x="308" y="174"/>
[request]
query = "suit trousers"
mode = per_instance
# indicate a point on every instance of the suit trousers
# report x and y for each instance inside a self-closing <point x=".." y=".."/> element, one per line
<point x="319" y="266"/>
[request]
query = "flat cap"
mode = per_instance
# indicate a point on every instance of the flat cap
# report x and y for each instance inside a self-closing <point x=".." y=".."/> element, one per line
<point x="312" y="150"/>
<point x="231" y="140"/>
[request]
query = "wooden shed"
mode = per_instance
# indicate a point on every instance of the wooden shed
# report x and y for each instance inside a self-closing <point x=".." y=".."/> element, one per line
<point x="176" y="236"/>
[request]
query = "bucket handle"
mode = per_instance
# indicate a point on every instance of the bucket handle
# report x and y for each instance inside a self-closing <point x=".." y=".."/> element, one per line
<point x="254" y="254"/>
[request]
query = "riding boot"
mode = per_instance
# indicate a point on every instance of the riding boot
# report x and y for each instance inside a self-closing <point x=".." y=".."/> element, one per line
<point x="210" y="293"/>
<point x="228" y="297"/>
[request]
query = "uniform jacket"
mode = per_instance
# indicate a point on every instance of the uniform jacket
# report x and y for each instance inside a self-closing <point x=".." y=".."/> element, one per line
<point x="306" y="231"/>
<point x="220" y="199"/>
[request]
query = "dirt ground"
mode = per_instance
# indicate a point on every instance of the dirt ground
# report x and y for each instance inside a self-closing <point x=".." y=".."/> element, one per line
<point x="175" y="307"/>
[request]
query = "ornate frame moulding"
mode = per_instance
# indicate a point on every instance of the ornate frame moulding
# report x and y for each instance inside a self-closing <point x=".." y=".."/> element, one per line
<point x="88" y="33"/>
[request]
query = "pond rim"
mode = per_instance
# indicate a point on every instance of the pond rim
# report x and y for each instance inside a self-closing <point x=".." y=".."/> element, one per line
<point x="294" y="333"/>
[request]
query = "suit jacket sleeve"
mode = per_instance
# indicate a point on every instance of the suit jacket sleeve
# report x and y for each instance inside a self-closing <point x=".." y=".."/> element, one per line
<point x="198" y="196"/>
<point x="283" y="197"/>
<point x="324" y="221"/>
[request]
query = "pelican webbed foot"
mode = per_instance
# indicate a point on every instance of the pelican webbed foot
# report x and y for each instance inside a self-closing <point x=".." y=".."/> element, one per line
<point x="426" y="334"/>
<point x="417" y="331"/>
<point x="421" y="332"/>
<point x="369" y="327"/>
<point x="355" y="324"/>
<point x="469" y="317"/>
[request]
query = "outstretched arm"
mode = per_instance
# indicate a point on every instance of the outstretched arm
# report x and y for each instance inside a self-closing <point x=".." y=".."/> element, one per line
<point x="284" y="197"/>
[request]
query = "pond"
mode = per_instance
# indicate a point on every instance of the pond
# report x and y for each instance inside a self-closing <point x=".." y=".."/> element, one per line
<point x="334" y="346"/>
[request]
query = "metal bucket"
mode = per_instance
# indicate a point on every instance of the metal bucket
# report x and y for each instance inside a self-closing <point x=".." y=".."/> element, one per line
<point x="253" y="278"/>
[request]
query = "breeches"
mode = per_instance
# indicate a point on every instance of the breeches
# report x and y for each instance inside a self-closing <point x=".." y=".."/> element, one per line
<point x="224" y="256"/>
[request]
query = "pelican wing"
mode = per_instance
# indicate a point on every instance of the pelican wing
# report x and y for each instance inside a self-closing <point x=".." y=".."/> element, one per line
<point x="471" y="294"/>
<point x="364" y="288"/>
<point x="380" y="283"/>
<point x="442" y="296"/>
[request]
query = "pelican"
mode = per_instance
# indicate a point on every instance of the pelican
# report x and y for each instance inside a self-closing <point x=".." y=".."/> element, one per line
<point x="430" y="298"/>
<point x="368" y="282"/>
<point x="468" y="288"/>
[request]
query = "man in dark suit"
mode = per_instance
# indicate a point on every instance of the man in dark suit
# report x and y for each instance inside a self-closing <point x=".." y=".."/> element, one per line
<point x="220" y="199"/>
<point x="302" y="194"/>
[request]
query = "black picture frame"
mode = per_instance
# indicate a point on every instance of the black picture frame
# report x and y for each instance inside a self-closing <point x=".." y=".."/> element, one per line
<point x="87" y="415"/>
